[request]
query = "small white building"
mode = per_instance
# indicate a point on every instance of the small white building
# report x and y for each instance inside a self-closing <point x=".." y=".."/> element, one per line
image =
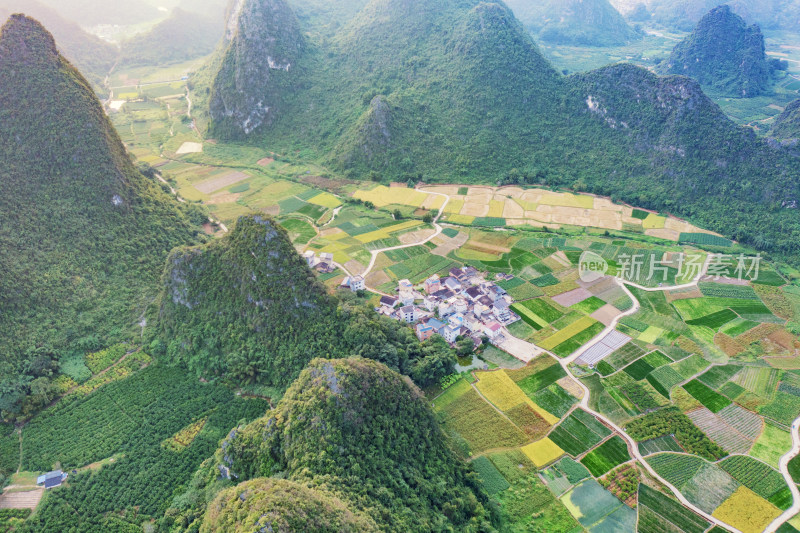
<point x="450" y="334"/>
<point x="501" y="310"/>
<point x="405" y="285"/>
<point x="310" y="257"/>
<point x="408" y="314"/>
<point x="326" y="257"/>
<point x="456" y="320"/>
<point x="461" y="305"/>
<point x="445" y="308"/>
<point x="430" y="303"/>
<point x="407" y="297"/>
<point x="493" y="330"/>
<point x="357" y="283"/>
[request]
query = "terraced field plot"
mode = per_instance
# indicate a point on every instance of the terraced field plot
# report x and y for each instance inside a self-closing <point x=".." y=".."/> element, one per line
<point x="666" y="443"/>
<point x="771" y="445"/>
<point x="579" y="432"/>
<point x="709" y="398"/>
<point x="611" y="453"/>
<point x="761" y="381"/>
<point x="746" y="511"/>
<point x="591" y="504"/>
<point x="755" y="475"/>
<point x="725" y="434"/>
<point x="542" y="452"/>
<point x="655" y="509"/>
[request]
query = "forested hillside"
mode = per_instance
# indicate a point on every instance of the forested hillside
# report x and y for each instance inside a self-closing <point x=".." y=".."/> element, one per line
<point x="91" y="55"/>
<point x="248" y="308"/>
<point x="724" y="55"/>
<point x="84" y="234"/>
<point x="575" y="22"/>
<point x="363" y="437"/>
<point x="183" y="36"/>
<point x="787" y="125"/>
<point x="457" y="91"/>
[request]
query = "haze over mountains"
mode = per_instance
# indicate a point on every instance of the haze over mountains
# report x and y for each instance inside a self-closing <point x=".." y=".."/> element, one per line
<point x="578" y="22"/>
<point x="684" y="14"/>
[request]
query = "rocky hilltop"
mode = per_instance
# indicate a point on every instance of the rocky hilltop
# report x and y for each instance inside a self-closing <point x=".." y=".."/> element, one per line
<point x="724" y="54"/>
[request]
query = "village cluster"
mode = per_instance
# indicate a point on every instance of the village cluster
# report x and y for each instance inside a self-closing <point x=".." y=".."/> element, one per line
<point x="461" y="305"/>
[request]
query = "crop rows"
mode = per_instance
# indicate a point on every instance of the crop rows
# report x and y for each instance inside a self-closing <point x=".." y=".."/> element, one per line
<point x="755" y="475"/>
<point x="671" y="510"/>
<point x="666" y="443"/>
<point x="720" y="431"/>
<point x="709" y="398"/>
<point x="575" y="437"/>
<point x="611" y="453"/>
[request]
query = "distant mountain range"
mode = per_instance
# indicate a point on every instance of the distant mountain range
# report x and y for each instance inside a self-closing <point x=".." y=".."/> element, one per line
<point x="576" y="22"/>
<point x="456" y="90"/>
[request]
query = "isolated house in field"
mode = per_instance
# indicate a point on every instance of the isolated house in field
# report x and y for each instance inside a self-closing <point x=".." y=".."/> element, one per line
<point x="326" y="257"/>
<point x="51" y="479"/>
<point x="357" y="283"/>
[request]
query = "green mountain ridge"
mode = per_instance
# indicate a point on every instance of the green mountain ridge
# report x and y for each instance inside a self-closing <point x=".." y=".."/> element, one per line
<point x="723" y="54"/>
<point x="356" y="430"/>
<point x="84" y="234"/>
<point x="787" y="124"/>
<point x="684" y="14"/>
<point x="457" y="91"/>
<point x="575" y="22"/>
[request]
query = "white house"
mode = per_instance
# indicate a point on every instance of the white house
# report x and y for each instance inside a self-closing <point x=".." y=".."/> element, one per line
<point x="461" y="305"/>
<point x="326" y="257"/>
<point x="407" y="297"/>
<point x="310" y="257"/>
<point x="430" y="303"/>
<point x="493" y="330"/>
<point x="408" y="314"/>
<point x="357" y="283"/>
<point x="456" y="320"/>
<point x="406" y="285"/>
<point x="445" y="308"/>
<point x="501" y="310"/>
<point x="450" y="334"/>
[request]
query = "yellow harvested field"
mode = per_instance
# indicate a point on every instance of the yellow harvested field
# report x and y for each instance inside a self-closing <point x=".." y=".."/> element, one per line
<point x="542" y="452"/>
<point x="654" y="222"/>
<point x="385" y="233"/>
<point x="500" y="389"/>
<point x="497" y="387"/>
<point x="325" y="199"/>
<point x="382" y="196"/>
<point x="433" y="201"/>
<point x="567" y="333"/>
<point x="567" y="200"/>
<point x="454" y="206"/>
<point x="461" y="219"/>
<point x="539" y="207"/>
<point x="496" y="208"/>
<point x="747" y="511"/>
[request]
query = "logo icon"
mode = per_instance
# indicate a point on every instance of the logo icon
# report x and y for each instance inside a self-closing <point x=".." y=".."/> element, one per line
<point x="592" y="267"/>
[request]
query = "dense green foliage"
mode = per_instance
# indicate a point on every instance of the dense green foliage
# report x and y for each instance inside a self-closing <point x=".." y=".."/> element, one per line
<point x="354" y="428"/>
<point x="670" y="421"/>
<point x="247" y="307"/>
<point x="91" y="55"/>
<point x="723" y="54"/>
<point x="84" y="234"/>
<point x="456" y="90"/>
<point x="129" y="420"/>
<point x="787" y="124"/>
<point x="181" y="37"/>
<point x="575" y="22"/>
<point x="280" y="505"/>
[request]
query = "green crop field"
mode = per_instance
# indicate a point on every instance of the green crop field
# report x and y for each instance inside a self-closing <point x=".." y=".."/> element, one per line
<point x="716" y="376"/>
<point x="668" y="510"/>
<point x="555" y="400"/>
<point x="676" y="468"/>
<point x="714" y="320"/>
<point x="755" y="475"/>
<point x="638" y="369"/>
<point x="590" y="503"/>
<point x="713" y="400"/>
<point x="578" y="433"/>
<point x="490" y="476"/>
<point x="664" y="379"/>
<point x="666" y="443"/>
<point x="625" y="355"/>
<point x="611" y="453"/>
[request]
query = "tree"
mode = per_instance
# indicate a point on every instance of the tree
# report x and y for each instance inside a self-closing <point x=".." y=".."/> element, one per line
<point x="428" y="218"/>
<point x="464" y="346"/>
<point x="397" y="214"/>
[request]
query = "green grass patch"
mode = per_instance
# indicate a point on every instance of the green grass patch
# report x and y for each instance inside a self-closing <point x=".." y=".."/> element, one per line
<point x="493" y="481"/>
<point x="611" y="453"/>
<point x="716" y="376"/>
<point x="589" y="306"/>
<point x="638" y="369"/>
<point x="703" y="394"/>
<point x="714" y="320"/>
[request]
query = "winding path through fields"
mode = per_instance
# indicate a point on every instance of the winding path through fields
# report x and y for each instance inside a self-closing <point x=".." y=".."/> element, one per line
<point x="584" y="403"/>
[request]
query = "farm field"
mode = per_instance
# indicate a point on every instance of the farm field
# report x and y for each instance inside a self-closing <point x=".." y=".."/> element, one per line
<point x="709" y="362"/>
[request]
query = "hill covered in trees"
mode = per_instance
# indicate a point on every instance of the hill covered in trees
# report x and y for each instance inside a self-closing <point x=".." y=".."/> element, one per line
<point x="787" y="124"/>
<point x="724" y="54"/>
<point x="84" y="233"/>
<point x="184" y="35"/>
<point x="457" y="91"/>
<point x="248" y="308"/>
<point x="361" y="436"/>
<point x="91" y="55"/>
<point x="575" y="22"/>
